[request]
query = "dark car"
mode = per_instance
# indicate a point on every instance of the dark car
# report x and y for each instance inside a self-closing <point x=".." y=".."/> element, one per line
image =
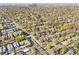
<point x="25" y="33"/>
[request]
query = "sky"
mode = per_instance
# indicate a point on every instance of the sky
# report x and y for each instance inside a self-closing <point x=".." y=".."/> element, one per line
<point x="39" y="4"/>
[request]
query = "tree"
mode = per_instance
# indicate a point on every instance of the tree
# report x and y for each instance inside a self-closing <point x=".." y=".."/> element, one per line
<point x="54" y="41"/>
<point x="48" y="46"/>
<point x="19" y="37"/>
<point x="63" y="49"/>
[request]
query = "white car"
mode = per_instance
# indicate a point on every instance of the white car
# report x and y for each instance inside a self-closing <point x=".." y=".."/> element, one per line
<point x="26" y="50"/>
<point x="19" y="32"/>
<point x="9" y="34"/>
<point x="21" y="43"/>
<point x="15" y="44"/>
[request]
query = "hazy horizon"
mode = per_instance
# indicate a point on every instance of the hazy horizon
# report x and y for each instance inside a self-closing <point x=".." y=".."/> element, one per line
<point x="38" y="4"/>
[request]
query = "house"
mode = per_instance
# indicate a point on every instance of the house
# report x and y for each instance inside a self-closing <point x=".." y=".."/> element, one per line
<point x="0" y="49"/>
<point x="10" y="48"/>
